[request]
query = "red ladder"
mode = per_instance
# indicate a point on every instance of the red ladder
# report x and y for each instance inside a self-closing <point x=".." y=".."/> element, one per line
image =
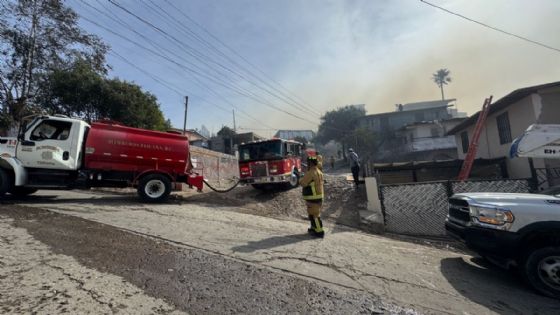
<point x="473" y="146"/>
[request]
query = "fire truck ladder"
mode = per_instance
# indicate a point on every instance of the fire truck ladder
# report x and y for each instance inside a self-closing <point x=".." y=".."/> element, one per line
<point x="473" y="146"/>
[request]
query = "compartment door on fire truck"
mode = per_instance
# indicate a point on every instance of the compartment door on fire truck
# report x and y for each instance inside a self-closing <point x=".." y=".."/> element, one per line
<point x="48" y="144"/>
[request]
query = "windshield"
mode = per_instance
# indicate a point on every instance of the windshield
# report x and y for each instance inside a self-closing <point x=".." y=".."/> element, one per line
<point x="261" y="151"/>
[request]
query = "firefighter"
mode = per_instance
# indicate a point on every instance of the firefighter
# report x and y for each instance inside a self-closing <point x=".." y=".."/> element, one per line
<point x="312" y="183"/>
<point x="319" y="160"/>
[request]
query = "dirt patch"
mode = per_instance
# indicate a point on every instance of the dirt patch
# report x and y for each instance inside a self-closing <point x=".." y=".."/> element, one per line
<point x="193" y="280"/>
<point x="342" y="201"/>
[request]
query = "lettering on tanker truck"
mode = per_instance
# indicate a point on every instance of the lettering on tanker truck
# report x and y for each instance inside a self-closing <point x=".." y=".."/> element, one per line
<point x="47" y="147"/>
<point x="139" y="145"/>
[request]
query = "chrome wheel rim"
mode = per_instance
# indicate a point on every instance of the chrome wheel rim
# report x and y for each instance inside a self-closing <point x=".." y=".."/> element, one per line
<point x="293" y="180"/>
<point x="549" y="271"/>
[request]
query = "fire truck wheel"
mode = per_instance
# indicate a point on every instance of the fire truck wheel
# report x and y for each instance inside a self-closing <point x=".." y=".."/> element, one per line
<point x="5" y="182"/>
<point x="293" y="182"/>
<point x="154" y="188"/>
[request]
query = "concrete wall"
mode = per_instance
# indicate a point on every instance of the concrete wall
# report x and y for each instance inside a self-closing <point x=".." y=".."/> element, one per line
<point x="215" y="166"/>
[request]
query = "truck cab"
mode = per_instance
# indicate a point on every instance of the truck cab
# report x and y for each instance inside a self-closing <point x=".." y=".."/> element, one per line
<point x="47" y="153"/>
<point x="270" y="162"/>
<point x="516" y="230"/>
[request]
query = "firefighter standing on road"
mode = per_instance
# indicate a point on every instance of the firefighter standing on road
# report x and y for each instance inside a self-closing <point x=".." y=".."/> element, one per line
<point x="312" y="191"/>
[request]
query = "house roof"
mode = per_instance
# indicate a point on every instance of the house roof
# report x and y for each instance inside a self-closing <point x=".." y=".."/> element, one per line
<point x="433" y="122"/>
<point x="403" y="112"/>
<point x="503" y="103"/>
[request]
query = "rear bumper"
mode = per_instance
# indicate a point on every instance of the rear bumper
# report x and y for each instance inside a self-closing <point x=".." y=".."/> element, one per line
<point x="487" y="242"/>
<point x="284" y="178"/>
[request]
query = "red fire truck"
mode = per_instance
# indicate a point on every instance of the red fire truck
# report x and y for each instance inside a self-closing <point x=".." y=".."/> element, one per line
<point x="56" y="152"/>
<point x="267" y="162"/>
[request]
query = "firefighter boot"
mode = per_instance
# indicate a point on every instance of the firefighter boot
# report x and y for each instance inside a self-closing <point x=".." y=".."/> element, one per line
<point x="311" y="230"/>
<point x="318" y="225"/>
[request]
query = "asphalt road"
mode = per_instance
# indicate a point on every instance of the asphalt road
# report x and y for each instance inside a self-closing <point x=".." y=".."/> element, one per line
<point x="106" y="252"/>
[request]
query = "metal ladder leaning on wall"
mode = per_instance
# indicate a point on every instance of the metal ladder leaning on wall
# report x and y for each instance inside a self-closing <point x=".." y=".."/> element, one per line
<point x="473" y="146"/>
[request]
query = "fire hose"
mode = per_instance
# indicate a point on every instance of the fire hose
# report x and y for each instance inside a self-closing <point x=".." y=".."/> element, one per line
<point x="221" y="191"/>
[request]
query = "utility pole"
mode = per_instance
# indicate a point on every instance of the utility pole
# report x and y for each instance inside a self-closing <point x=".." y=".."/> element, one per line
<point x="234" y="127"/>
<point x="185" y="121"/>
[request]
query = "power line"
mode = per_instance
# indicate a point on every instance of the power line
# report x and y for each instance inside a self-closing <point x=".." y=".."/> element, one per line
<point x="492" y="27"/>
<point x="165" y="33"/>
<point x="246" y="92"/>
<point x="213" y="49"/>
<point x="156" y="53"/>
<point x="306" y="105"/>
<point x="162" y="56"/>
<point x="163" y="82"/>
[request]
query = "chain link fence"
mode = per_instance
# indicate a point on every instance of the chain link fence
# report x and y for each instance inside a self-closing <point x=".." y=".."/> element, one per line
<point x="421" y="208"/>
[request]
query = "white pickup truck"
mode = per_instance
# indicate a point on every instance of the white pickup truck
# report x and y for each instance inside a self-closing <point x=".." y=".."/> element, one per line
<point x="521" y="230"/>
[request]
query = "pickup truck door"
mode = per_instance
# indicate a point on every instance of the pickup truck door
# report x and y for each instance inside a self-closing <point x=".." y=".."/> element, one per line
<point x="50" y="144"/>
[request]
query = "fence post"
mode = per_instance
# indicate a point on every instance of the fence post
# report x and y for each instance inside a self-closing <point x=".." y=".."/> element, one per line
<point x="449" y="188"/>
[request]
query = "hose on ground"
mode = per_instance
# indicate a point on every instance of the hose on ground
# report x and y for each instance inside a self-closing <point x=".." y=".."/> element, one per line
<point x="218" y="190"/>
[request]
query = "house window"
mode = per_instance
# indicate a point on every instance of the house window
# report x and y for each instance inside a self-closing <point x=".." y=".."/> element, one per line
<point x="504" y="130"/>
<point x="465" y="141"/>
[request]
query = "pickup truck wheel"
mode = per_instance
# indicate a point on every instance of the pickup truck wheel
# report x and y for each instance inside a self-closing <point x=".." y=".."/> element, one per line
<point x="154" y="188"/>
<point x="5" y="182"/>
<point x="19" y="191"/>
<point x="542" y="270"/>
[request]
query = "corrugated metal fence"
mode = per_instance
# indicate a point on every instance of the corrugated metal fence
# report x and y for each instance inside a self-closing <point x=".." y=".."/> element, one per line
<point x="421" y="208"/>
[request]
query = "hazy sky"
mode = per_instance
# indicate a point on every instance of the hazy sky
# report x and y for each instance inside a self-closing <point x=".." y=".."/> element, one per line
<point x="325" y="53"/>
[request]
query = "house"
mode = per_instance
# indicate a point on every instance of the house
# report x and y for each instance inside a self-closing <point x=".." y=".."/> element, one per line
<point x="428" y="140"/>
<point x="195" y="138"/>
<point x="507" y="119"/>
<point x="400" y="132"/>
<point x="229" y="145"/>
<point x="292" y="134"/>
<point x="407" y="114"/>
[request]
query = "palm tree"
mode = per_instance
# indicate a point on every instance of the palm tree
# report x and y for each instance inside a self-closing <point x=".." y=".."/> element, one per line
<point x="441" y="78"/>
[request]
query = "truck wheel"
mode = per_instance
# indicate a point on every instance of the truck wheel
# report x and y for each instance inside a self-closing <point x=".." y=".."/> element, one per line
<point x="5" y="182"/>
<point x="293" y="181"/>
<point x="154" y="188"/>
<point x="542" y="270"/>
<point x="19" y="191"/>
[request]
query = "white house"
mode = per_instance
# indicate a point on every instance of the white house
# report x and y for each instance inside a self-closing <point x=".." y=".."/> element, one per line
<point x="507" y="119"/>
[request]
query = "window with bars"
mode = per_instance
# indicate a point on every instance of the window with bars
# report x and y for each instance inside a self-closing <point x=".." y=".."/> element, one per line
<point x="465" y="141"/>
<point x="504" y="130"/>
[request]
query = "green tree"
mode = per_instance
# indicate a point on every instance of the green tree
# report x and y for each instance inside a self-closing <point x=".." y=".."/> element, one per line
<point x="226" y="132"/>
<point x="36" y="37"/>
<point x="78" y="91"/>
<point x="441" y="78"/>
<point x="339" y="125"/>
<point x="81" y="91"/>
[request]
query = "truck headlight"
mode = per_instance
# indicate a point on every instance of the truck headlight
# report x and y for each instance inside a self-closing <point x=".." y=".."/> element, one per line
<point x="491" y="215"/>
